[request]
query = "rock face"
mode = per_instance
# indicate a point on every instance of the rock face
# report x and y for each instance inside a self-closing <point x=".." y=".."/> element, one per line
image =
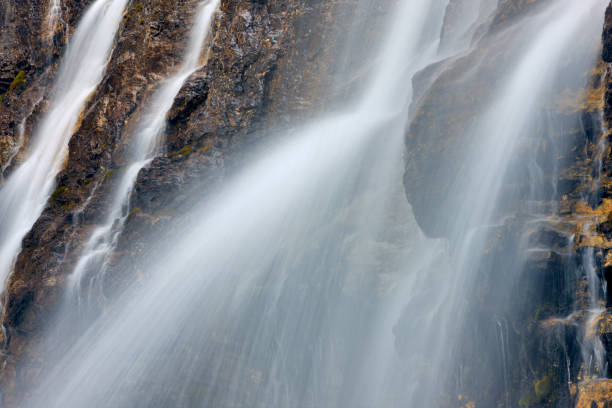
<point x="268" y="65"/>
<point x="32" y="37"/>
<point x="572" y="238"/>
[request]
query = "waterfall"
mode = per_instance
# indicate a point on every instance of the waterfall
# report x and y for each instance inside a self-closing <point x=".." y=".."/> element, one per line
<point x="147" y="141"/>
<point x="306" y="280"/>
<point x="54" y="16"/>
<point x="592" y="348"/>
<point x="477" y="189"/>
<point x="294" y="222"/>
<point x="27" y="189"/>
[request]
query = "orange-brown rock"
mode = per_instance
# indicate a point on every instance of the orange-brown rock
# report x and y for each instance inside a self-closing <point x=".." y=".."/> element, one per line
<point x="594" y="394"/>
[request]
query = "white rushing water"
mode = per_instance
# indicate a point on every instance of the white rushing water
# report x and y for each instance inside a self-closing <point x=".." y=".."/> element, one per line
<point x="306" y="281"/>
<point x="147" y="140"/>
<point x="54" y="16"/>
<point x="26" y="190"/>
<point x="284" y="223"/>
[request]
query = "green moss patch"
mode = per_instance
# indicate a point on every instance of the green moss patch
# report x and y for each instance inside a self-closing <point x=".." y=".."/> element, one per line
<point x="57" y="193"/>
<point x="18" y="82"/>
<point x="109" y="174"/>
<point x="184" y="152"/>
<point x="539" y="393"/>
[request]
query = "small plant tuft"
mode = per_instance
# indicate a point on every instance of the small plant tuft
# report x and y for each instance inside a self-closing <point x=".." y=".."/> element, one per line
<point x="186" y="150"/>
<point x="539" y="393"/>
<point x="110" y="173"/>
<point x="543" y="388"/>
<point x="18" y="82"/>
<point x="57" y="193"/>
<point x="135" y="211"/>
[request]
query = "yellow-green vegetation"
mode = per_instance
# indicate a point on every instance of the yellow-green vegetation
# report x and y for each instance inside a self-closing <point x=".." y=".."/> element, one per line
<point x="18" y="82"/>
<point x="57" y="193"/>
<point x="185" y="151"/>
<point x="86" y="181"/>
<point x="67" y="207"/>
<point x="539" y="393"/>
<point x="110" y="173"/>
<point x="527" y="400"/>
<point x="538" y="312"/>
<point x="137" y="9"/>
<point x="133" y="213"/>
<point x="543" y="387"/>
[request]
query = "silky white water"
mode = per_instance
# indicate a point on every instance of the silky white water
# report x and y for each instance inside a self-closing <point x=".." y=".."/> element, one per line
<point x="312" y="173"/>
<point x="495" y="136"/>
<point x="25" y="192"/>
<point x="147" y="139"/>
<point x="54" y="16"/>
<point x="306" y="281"/>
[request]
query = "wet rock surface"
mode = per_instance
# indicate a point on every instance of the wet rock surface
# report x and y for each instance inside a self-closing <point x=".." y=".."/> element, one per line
<point x="269" y="65"/>
<point x="32" y="38"/>
<point x="526" y="350"/>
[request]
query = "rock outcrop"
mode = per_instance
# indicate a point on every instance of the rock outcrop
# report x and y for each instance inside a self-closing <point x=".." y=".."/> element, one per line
<point x="32" y="38"/>
<point x="544" y="321"/>
<point x="269" y="65"/>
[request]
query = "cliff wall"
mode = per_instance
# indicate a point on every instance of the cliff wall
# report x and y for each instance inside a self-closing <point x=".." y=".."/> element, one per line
<point x="270" y="65"/>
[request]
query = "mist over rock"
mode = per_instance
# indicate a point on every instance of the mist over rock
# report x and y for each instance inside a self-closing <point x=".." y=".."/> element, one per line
<point x="480" y="279"/>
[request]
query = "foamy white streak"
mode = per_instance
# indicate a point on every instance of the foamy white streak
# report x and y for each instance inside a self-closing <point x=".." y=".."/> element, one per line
<point x="24" y="194"/>
<point x="147" y="139"/>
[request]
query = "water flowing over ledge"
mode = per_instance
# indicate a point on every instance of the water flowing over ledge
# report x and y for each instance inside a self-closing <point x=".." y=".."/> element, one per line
<point x="147" y="142"/>
<point x="25" y="192"/>
<point x="397" y="250"/>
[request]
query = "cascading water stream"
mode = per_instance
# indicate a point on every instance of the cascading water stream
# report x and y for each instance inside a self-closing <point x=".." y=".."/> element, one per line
<point x="495" y="138"/>
<point x="593" y="352"/>
<point x="147" y="140"/>
<point x="54" y="16"/>
<point x="318" y="173"/>
<point x="26" y="190"/>
<point x="306" y="281"/>
<point x="592" y="348"/>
